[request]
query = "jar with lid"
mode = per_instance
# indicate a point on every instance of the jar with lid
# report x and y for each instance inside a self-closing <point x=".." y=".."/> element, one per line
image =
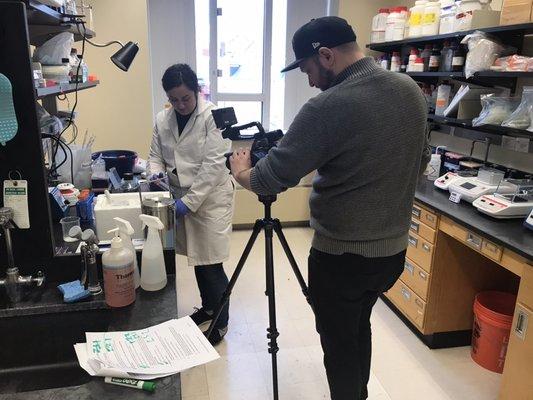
<point x="379" y="25"/>
<point x="412" y="59"/>
<point x="395" y="23"/>
<point x="418" y="65"/>
<point x="415" y="19"/>
<point x="431" y="19"/>
<point x="447" y="16"/>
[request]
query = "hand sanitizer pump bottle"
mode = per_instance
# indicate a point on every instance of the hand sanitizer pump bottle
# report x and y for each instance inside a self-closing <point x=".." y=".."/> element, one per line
<point x="126" y="231"/>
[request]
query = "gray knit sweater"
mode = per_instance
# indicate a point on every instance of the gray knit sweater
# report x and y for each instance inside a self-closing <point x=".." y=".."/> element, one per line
<point x="366" y="138"/>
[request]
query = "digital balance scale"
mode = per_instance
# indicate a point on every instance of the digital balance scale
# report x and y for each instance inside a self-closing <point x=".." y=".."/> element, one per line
<point x="446" y="180"/>
<point x="512" y="199"/>
<point x="470" y="188"/>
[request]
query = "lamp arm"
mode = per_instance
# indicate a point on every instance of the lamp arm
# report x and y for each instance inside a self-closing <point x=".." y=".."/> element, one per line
<point x="105" y="44"/>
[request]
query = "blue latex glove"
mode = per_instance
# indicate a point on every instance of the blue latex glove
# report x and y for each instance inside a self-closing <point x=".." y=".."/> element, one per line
<point x="181" y="208"/>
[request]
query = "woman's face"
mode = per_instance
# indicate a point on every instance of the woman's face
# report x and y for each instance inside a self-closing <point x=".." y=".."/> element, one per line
<point x="182" y="99"/>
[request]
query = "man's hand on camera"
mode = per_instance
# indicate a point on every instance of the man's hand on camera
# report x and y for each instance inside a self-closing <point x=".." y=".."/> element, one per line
<point x="241" y="165"/>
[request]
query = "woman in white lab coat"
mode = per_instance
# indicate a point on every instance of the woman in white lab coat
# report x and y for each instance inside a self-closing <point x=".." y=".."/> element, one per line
<point x="188" y="147"/>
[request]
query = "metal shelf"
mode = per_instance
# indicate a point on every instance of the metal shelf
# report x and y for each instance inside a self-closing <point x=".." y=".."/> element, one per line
<point x="511" y="30"/>
<point x="63" y="88"/>
<point x="467" y="124"/>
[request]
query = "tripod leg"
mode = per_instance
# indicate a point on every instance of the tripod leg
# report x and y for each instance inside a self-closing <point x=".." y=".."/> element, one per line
<point x="292" y="260"/>
<point x="259" y="224"/>
<point x="272" y="329"/>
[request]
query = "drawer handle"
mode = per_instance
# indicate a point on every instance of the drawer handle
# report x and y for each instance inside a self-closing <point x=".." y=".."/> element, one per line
<point x="409" y="268"/>
<point x="416" y="212"/>
<point x="491" y="247"/>
<point x="426" y="247"/>
<point x="413" y="241"/>
<point x="423" y="275"/>
<point x="521" y="324"/>
<point x="415" y="226"/>
<point x="406" y="293"/>
<point x="430" y="218"/>
<point x="473" y="240"/>
<point x="419" y="303"/>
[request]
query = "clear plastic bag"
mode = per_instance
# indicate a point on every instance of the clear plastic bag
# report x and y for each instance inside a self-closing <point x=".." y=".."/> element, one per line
<point x="495" y="109"/>
<point x="512" y="63"/>
<point x="483" y="50"/>
<point x="54" y="50"/>
<point x="521" y="117"/>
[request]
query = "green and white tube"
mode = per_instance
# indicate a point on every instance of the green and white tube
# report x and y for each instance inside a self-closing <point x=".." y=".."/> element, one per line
<point x="131" y="383"/>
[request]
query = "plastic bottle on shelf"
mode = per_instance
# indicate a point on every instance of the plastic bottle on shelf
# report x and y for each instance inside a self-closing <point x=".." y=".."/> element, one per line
<point x="426" y="54"/>
<point x="434" y="59"/>
<point x="415" y="19"/>
<point x="379" y="25"/>
<point x="446" y="56"/>
<point x="447" y="16"/>
<point x="413" y="55"/>
<point x="434" y="166"/>
<point x="404" y="64"/>
<point x="385" y="62"/>
<point x="418" y="65"/>
<point x="458" y="58"/>
<point x="431" y="19"/>
<point x="399" y="28"/>
<point x="395" y="62"/>
<point x="395" y="18"/>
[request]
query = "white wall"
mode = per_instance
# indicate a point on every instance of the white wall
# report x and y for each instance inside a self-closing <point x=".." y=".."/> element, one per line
<point x="297" y="90"/>
<point x="171" y="37"/>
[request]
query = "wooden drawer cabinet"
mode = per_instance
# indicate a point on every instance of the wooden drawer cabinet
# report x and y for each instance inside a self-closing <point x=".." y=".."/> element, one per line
<point x="517" y="382"/>
<point x="420" y="251"/>
<point x="422" y="230"/>
<point x="425" y="216"/>
<point x="408" y="302"/>
<point x="491" y="250"/>
<point x="416" y="278"/>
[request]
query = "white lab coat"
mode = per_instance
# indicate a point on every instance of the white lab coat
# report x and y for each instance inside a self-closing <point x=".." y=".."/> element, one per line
<point x="195" y="164"/>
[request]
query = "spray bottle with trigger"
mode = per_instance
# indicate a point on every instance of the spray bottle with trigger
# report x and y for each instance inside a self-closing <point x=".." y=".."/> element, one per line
<point x="126" y="230"/>
<point x="153" y="274"/>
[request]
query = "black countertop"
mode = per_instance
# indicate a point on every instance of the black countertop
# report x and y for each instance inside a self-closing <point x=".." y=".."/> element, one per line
<point x="509" y="233"/>
<point x="150" y="308"/>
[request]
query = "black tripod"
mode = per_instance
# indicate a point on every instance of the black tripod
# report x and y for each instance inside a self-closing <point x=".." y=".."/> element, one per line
<point x="270" y="225"/>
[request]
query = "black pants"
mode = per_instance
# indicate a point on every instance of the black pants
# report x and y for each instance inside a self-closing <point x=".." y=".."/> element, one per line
<point x="343" y="290"/>
<point x="212" y="282"/>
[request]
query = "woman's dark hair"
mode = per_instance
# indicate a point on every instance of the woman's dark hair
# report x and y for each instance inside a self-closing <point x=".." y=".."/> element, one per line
<point x="180" y="74"/>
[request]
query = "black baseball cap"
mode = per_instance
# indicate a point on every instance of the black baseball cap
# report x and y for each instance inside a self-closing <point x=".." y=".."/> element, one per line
<point x="320" y="32"/>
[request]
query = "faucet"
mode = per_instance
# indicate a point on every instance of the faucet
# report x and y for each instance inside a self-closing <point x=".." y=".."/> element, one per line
<point x="15" y="284"/>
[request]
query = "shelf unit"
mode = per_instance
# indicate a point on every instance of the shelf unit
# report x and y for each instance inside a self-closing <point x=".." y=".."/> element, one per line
<point x="508" y="33"/>
<point x="28" y="23"/>
<point x="512" y="35"/>
<point x="492" y="129"/>
<point x="41" y="93"/>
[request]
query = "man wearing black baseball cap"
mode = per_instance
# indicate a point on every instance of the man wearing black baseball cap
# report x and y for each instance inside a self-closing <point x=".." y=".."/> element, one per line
<point x="365" y="136"/>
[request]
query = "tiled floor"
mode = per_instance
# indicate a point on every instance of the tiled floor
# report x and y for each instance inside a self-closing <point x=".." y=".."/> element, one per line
<point x="402" y="366"/>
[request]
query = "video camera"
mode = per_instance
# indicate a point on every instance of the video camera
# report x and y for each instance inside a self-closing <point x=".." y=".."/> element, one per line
<point x="225" y="120"/>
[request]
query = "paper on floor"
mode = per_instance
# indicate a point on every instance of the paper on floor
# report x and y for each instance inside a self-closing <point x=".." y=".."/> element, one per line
<point x="150" y="353"/>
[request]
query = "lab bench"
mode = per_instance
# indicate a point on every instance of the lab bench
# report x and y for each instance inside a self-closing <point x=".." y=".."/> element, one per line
<point x="455" y="252"/>
<point x="150" y="308"/>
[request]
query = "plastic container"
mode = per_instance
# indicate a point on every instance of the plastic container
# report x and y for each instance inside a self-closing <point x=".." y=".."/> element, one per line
<point x="418" y="66"/>
<point x="447" y="16"/>
<point x="393" y="20"/>
<point x="493" y="317"/>
<point x="126" y="231"/>
<point x="379" y="25"/>
<point x="415" y="19"/>
<point x="153" y="272"/>
<point x="117" y="267"/>
<point x="431" y="19"/>
<point x="434" y="167"/>
<point x="66" y="224"/>
<point x="443" y="98"/>
<point x="412" y="59"/>
<point x="395" y="62"/>
<point x="122" y="160"/>
<point x="426" y="54"/>
<point x="398" y="28"/>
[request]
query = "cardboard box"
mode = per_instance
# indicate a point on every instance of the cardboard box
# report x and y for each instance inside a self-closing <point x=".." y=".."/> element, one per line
<point x="485" y="19"/>
<point x="516" y="12"/>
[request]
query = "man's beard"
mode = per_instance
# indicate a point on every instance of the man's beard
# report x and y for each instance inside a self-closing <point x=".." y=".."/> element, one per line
<point x="326" y="78"/>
